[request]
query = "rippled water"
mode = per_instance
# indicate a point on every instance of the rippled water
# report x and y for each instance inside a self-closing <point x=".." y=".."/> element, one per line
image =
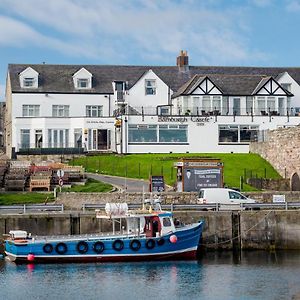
<point x="249" y="275"/>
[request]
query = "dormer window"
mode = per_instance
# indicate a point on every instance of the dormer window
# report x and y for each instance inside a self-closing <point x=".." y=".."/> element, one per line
<point x="82" y="79"/>
<point x="29" y="78"/>
<point x="82" y="83"/>
<point x="28" y="82"/>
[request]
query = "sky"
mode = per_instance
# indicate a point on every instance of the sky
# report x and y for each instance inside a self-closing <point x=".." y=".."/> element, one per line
<point x="149" y="32"/>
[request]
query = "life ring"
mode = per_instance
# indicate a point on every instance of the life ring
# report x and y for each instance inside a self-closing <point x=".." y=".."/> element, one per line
<point x="118" y="245"/>
<point x="82" y="247"/>
<point x="48" y="248"/>
<point x="98" y="247"/>
<point x="61" y="248"/>
<point x="135" y="245"/>
<point x="160" y="242"/>
<point x="150" y="244"/>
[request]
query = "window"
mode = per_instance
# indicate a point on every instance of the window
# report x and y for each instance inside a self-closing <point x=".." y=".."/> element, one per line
<point x="236" y="195"/>
<point x="228" y="134"/>
<point x="25" y="138"/>
<point x="287" y="86"/>
<point x="94" y="111"/>
<point x="58" y="138"/>
<point x="206" y="103"/>
<point x="167" y="222"/>
<point x="217" y="103"/>
<point x="238" y="133"/>
<point x="142" y="133"/>
<point x="60" y="110"/>
<point x="150" y="87"/>
<point x="173" y="133"/>
<point x="82" y="83"/>
<point x="248" y="133"/>
<point x="30" y="110"/>
<point x="271" y="103"/>
<point x="28" y="82"/>
<point x="78" y="138"/>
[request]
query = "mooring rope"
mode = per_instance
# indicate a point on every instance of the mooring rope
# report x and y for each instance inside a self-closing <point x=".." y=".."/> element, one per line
<point x="238" y="236"/>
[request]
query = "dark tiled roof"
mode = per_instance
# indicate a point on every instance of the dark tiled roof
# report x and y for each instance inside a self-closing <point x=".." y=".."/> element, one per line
<point x="58" y="78"/>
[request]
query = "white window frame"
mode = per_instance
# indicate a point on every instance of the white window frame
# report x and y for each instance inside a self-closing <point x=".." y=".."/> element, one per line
<point x="83" y="80"/>
<point x="28" y="82"/>
<point x="150" y="87"/>
<point x="60" y="110"/>
<point x="94" y="111"/>
<point x="30" y="110"/>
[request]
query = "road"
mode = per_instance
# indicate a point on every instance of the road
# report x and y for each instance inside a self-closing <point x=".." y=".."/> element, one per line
<point x="124" y="184"/>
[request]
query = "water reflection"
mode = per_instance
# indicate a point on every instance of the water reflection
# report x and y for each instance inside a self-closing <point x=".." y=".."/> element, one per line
<point x="216" y="275"/>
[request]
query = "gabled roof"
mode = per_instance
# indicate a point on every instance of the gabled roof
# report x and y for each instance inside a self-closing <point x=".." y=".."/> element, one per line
<point x="264" y="81"/>
<point x="58" y="78"/>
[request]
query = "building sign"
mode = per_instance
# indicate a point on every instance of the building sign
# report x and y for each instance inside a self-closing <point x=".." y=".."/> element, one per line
<point x="183" y="119"/>
<point x="193" y="175"/>
<point x="157" y="184"/>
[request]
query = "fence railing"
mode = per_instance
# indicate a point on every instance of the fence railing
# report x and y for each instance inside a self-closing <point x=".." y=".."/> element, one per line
<point x="24" y="208"/>
<point x="210" y="206"/>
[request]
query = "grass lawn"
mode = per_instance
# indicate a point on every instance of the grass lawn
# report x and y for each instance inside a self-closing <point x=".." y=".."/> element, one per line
<point x="143" y="165"/>
<point x="91" y="186"/>
<point x="25" y="198"/>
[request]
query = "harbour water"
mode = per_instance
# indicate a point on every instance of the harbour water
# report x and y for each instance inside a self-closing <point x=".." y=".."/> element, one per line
<point x="224" y="275"/>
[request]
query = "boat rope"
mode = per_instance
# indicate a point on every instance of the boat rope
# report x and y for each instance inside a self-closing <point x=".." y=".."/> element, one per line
<point x="239" y="235"/>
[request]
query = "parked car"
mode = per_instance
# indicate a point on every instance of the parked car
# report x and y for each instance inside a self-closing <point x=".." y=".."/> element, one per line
<point x="225" y="197"/>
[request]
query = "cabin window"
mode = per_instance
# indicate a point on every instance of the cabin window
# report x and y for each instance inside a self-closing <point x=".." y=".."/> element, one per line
<point x="167" y="222"/>
<point x="82" y="83"/>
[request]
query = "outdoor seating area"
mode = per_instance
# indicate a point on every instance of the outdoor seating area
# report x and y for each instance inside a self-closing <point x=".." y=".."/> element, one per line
<point x="42" y="176"/>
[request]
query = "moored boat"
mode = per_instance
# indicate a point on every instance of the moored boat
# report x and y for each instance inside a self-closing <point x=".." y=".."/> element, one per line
<point x="140" y="235"/>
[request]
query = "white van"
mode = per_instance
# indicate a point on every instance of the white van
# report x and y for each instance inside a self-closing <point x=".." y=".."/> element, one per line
<point x="222" y="196"/>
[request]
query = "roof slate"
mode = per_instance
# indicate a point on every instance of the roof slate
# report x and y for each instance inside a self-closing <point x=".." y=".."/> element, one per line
<point x="58" y="78"/>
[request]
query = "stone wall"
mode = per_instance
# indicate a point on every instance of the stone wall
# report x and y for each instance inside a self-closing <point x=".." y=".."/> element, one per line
<point x="76" y="200"/>
<point x="282" y="150"/>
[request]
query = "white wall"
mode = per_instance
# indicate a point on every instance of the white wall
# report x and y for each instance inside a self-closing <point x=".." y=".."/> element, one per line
<point x="137" y="97"/>
<point x="295" y="88"/>
<point x="203" y="136"/>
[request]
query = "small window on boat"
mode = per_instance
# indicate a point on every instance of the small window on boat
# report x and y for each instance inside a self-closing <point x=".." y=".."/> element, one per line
<point x="167" y="222"/>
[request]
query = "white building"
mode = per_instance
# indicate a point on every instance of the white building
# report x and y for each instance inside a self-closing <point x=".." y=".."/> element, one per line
<point x="61" y="109"/>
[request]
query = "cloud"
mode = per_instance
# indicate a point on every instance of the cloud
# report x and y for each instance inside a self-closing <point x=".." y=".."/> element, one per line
<point x="121" y="31"/>
<point x="293" y="6"/>
<point x="262" y="3"/>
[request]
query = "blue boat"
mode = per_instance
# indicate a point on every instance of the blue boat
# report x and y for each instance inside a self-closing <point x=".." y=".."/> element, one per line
<point x="140" y="235"/>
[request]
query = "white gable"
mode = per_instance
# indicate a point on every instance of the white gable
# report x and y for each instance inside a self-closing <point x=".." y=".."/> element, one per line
<point x="29" y="78"/>
<point x="207" y="87"/>
<point x="82" y="79"/>
<point x="271" y="88"/>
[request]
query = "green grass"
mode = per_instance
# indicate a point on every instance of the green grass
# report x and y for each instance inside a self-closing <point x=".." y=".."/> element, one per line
<point x="91" y="186"/>
<point x="24" y="198"/>
<point x="142" y="165"/>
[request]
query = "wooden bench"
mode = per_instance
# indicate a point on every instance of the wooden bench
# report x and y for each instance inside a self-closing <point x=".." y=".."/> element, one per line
<point x="37" y="183"/>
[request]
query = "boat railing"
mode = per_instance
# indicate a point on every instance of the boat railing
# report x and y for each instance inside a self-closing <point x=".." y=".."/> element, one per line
<point x="88" y="237"/>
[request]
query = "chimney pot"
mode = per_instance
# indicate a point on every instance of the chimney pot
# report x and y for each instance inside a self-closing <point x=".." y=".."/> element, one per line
<point x="183" y="61"/>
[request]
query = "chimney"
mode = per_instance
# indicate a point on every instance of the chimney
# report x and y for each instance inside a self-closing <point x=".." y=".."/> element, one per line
<point x="183" y="61"/>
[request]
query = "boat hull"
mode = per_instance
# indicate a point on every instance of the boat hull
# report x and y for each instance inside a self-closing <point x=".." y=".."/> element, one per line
<point x="115" y="249"/>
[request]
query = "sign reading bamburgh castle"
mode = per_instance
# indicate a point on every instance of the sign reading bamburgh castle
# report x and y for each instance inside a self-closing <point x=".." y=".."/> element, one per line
<point x="56" y="109"/>
<point x="183" y="119"/>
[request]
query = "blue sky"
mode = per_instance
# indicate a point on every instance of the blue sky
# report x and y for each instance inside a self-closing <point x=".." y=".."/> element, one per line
<point x="148" y="32"/>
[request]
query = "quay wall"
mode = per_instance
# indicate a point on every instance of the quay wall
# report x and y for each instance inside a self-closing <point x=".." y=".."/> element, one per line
<point x="278" y="229"/>
<point x="76" y="200"/>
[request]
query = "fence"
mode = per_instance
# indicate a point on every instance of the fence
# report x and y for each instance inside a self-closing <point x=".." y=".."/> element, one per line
<point x="31" y="207"/>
